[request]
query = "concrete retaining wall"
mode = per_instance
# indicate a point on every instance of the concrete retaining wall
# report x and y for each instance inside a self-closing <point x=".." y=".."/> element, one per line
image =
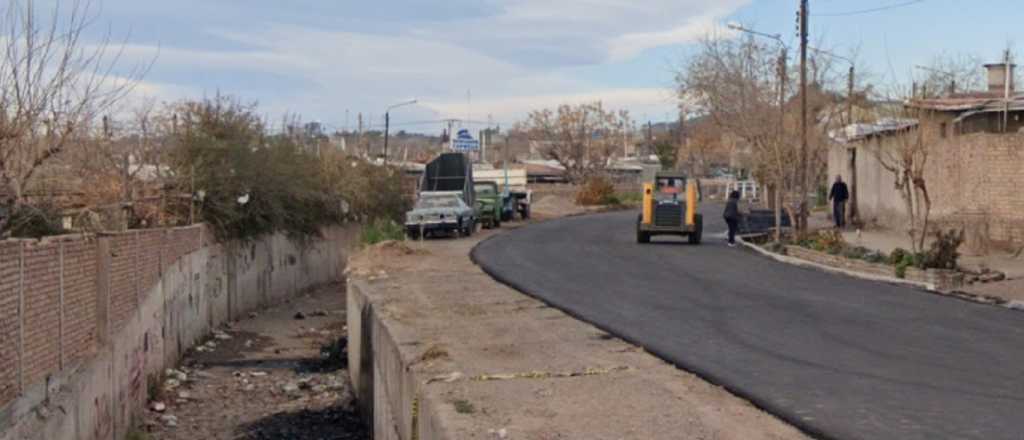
<point x="142" y="321"/>
<point x="389" y="398"/>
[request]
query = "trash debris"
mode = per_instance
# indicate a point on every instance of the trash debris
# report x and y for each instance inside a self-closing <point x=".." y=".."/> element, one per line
<point x="169" y="420"/>
<point x="300" y="316"/>
<point x="258" y="374"/>
<point x="446" y="378"/>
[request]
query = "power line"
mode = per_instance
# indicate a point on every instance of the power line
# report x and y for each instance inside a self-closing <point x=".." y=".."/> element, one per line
<point x="867" y="11"/>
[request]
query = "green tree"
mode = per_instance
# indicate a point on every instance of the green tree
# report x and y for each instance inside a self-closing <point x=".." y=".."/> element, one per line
<point x="668" y="153"/>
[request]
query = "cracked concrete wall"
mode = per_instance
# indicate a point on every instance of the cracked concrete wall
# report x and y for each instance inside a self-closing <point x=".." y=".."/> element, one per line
<point x="170" y="292"/>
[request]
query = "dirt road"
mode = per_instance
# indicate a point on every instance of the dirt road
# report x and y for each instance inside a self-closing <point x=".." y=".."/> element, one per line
<point x="280" y="374"/>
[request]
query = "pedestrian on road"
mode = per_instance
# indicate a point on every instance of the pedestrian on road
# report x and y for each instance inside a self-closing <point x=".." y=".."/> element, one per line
<point x="732" y="215"/>
<point x="839" y="195"/>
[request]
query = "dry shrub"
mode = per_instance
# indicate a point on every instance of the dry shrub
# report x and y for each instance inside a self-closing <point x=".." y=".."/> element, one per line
<point x="596" y="190"/>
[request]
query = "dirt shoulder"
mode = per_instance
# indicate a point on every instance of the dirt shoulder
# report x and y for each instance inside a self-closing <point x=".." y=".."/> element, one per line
<point x="495" y="363"/>
<point x="280" y="374"/>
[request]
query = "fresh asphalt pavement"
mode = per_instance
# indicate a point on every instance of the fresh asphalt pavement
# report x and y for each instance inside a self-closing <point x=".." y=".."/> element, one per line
<point x="838" y="357"/>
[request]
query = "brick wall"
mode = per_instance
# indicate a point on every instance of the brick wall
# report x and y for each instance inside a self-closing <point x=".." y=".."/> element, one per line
<point x="124" y="296"/>
<point x="42" y="311"/>
<point x="50" y="297"/>
<point x="974" y="181"/>
<point x="79" y="300"/>
<point x="10" y="285"/>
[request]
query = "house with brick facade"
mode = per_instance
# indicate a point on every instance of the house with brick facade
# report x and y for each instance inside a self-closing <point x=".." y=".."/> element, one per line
<point x="974" y="170"/>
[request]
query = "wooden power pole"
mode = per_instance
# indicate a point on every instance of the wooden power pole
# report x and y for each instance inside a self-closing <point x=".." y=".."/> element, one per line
<point x="802" y="182"/>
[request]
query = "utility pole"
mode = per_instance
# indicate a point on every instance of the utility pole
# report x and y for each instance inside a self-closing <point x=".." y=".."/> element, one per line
<point x="802" y="172"/>
<point x="776" y="199"/>
<point x="359" y="134"/>
<point x="650" y="137"/>
<point x="1006" y="90"/>
<point x="387" y="123"/>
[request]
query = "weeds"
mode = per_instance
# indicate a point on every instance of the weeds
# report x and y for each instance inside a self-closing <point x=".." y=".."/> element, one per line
<point x="381" y="230"/>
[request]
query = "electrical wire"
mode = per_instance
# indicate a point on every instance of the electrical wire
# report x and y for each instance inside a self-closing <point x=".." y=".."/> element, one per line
<point x="867" y="11"/>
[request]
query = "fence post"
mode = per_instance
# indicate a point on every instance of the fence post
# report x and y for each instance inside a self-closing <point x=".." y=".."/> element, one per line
<point x="102" y="290"/>
<point x="21" y="318"/>
<point x="60" y="343"/>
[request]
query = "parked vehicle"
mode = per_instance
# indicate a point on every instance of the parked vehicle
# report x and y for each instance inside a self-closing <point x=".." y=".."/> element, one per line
<point x="446" y="200"/>
<point x="450" y="172"/>
<point x="440" y="212"/>
<point x="489" y="204"/>
<point x="670" y="208"/>
<point x="515" y="196"/>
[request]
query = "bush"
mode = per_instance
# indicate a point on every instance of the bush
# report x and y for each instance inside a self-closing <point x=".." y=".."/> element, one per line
<point x="596" y="190"/>
<point x="32" y="221"/>
<point x="856" y="253"/>
<point x="830" y="241"/>
<point x="944" y="252"/>
<point x="897" y="256"/>
<point x="876" y="257"/>
<point x="381" y="230"/>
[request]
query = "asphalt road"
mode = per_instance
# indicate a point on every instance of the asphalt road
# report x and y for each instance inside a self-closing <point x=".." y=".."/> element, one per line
<point x="836" y="356"/>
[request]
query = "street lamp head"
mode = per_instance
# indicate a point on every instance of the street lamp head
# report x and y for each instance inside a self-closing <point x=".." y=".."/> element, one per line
<point x="734" y="26"/>
<point x="401" y="104"/>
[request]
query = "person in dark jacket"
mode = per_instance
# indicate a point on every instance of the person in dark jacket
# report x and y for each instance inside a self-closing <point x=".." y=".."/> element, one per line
<point x="839" y="195"/>
<point x="732" y="215"/>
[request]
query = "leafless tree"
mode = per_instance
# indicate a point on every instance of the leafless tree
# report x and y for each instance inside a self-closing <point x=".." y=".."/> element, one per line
<point x="741" y="85"/>
<point x="53" y="85"/>
<point x="581" y="138"/>
<point x="905" y="155"/>
<point x="951" y="73"/>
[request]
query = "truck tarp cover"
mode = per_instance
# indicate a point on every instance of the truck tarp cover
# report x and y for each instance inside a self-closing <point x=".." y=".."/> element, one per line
<point x="449" y="172"/>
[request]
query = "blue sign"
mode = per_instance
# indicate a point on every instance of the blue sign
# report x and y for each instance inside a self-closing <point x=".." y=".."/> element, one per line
<point x="464" y="141"/>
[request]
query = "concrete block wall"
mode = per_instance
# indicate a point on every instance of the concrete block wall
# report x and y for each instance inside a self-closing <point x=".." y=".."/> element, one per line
<point x="86" y="320"/>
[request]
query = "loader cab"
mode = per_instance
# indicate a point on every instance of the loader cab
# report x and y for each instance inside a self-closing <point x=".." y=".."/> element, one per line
<point x="669" y="207"/>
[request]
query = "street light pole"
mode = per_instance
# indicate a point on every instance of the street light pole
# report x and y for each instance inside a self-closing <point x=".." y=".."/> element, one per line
<point x="387" y="125"/>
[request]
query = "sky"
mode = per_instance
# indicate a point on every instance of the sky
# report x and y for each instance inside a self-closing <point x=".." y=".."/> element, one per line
<point x="495" y="60"/>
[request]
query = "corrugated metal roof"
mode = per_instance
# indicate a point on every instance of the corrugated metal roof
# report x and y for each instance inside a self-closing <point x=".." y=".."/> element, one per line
<point x="856" y="132"/>
<point x="989" y="101"/>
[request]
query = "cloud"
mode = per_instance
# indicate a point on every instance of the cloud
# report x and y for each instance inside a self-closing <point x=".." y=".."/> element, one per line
<point x="320" y="59"/>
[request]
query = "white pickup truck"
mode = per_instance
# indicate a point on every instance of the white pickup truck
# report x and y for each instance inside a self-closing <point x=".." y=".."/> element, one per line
<point x="516" y="196"/>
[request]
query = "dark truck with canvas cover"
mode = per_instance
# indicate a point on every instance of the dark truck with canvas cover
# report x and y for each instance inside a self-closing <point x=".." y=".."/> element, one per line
<point x="447" y="177"/>
<point x="670" y="208"/>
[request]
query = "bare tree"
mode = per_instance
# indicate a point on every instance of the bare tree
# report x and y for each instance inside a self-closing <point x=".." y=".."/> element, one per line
<point x="581" y="138"/>
<point x="905" y="155"/>
<point x="52" y="87"/>
<point x="741" y="85"/>
<point x="948" y="73"/>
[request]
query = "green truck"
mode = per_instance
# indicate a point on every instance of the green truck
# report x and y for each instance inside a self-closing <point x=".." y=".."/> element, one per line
<point x="488" y="204"/>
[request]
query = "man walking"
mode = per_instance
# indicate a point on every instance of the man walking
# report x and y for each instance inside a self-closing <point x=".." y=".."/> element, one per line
<point x="839" y="195"/>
